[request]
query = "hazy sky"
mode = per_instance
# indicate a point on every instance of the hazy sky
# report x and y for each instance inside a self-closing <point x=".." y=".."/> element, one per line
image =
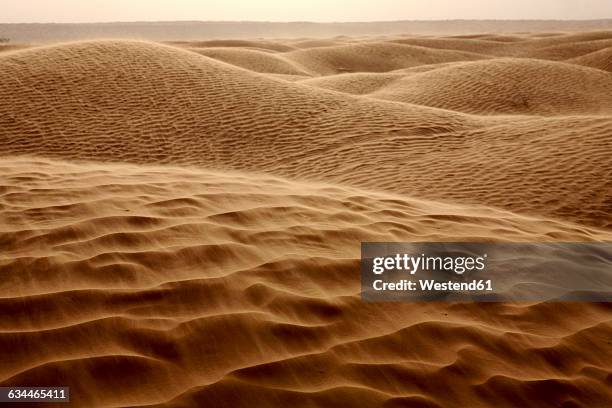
<point x="18" y="11"/>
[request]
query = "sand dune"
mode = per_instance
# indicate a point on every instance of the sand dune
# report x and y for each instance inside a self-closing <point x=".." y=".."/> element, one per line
<point x="506" y="86"/>
<point x="239" y="44"/>
<point x="494" y="86"/>
<point x="555" y="47"/>
<point x="601" y="59"/>
<point x="145" y="273"/>
<point x="360" y="83"/>
<point x="179" y="107"/>
<point x="374" y="57"/>
<point x="314" y="43"/>
<point x="180" y="222"/>
<point x="12" y="47"/>
<point x="470" y="44"/>
<point x="568" y="50"/>
<point x="254" y="60"/>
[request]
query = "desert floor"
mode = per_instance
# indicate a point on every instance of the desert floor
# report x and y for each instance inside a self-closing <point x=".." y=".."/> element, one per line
<point x="180" y="222"/>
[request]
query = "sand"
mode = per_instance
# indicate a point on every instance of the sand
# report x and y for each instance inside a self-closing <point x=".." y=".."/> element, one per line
<point x="180" y="222"/>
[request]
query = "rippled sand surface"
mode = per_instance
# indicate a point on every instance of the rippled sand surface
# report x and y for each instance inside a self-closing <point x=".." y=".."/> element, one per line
<point x="180" y="222"/>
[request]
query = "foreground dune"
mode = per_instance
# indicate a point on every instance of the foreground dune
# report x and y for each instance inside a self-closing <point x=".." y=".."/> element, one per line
<point x="203" y="288"/>
<point x="180" y="223"/>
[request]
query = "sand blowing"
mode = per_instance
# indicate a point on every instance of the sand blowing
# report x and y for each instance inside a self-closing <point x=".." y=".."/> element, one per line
<point x="181" y="217"/>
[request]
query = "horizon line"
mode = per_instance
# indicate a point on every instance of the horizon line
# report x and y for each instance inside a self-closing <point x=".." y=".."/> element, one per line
<point x="309" y="22"/>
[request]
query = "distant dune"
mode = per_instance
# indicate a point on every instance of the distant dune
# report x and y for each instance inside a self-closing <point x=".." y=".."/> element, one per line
<point x="180" y="222"/>
<point x="504" y="118"/>
<point x="506" y="86"/>
<point x="600" y="59"/>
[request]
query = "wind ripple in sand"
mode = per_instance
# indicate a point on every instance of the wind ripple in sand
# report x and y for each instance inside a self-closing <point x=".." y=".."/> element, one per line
<point x="158" y="285"/>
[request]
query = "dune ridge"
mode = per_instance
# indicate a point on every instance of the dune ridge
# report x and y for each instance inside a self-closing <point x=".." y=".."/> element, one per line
<point x="180" y="222"/>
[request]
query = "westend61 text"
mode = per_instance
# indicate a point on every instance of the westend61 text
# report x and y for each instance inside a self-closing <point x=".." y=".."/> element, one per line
<point x="432" y="285"/>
